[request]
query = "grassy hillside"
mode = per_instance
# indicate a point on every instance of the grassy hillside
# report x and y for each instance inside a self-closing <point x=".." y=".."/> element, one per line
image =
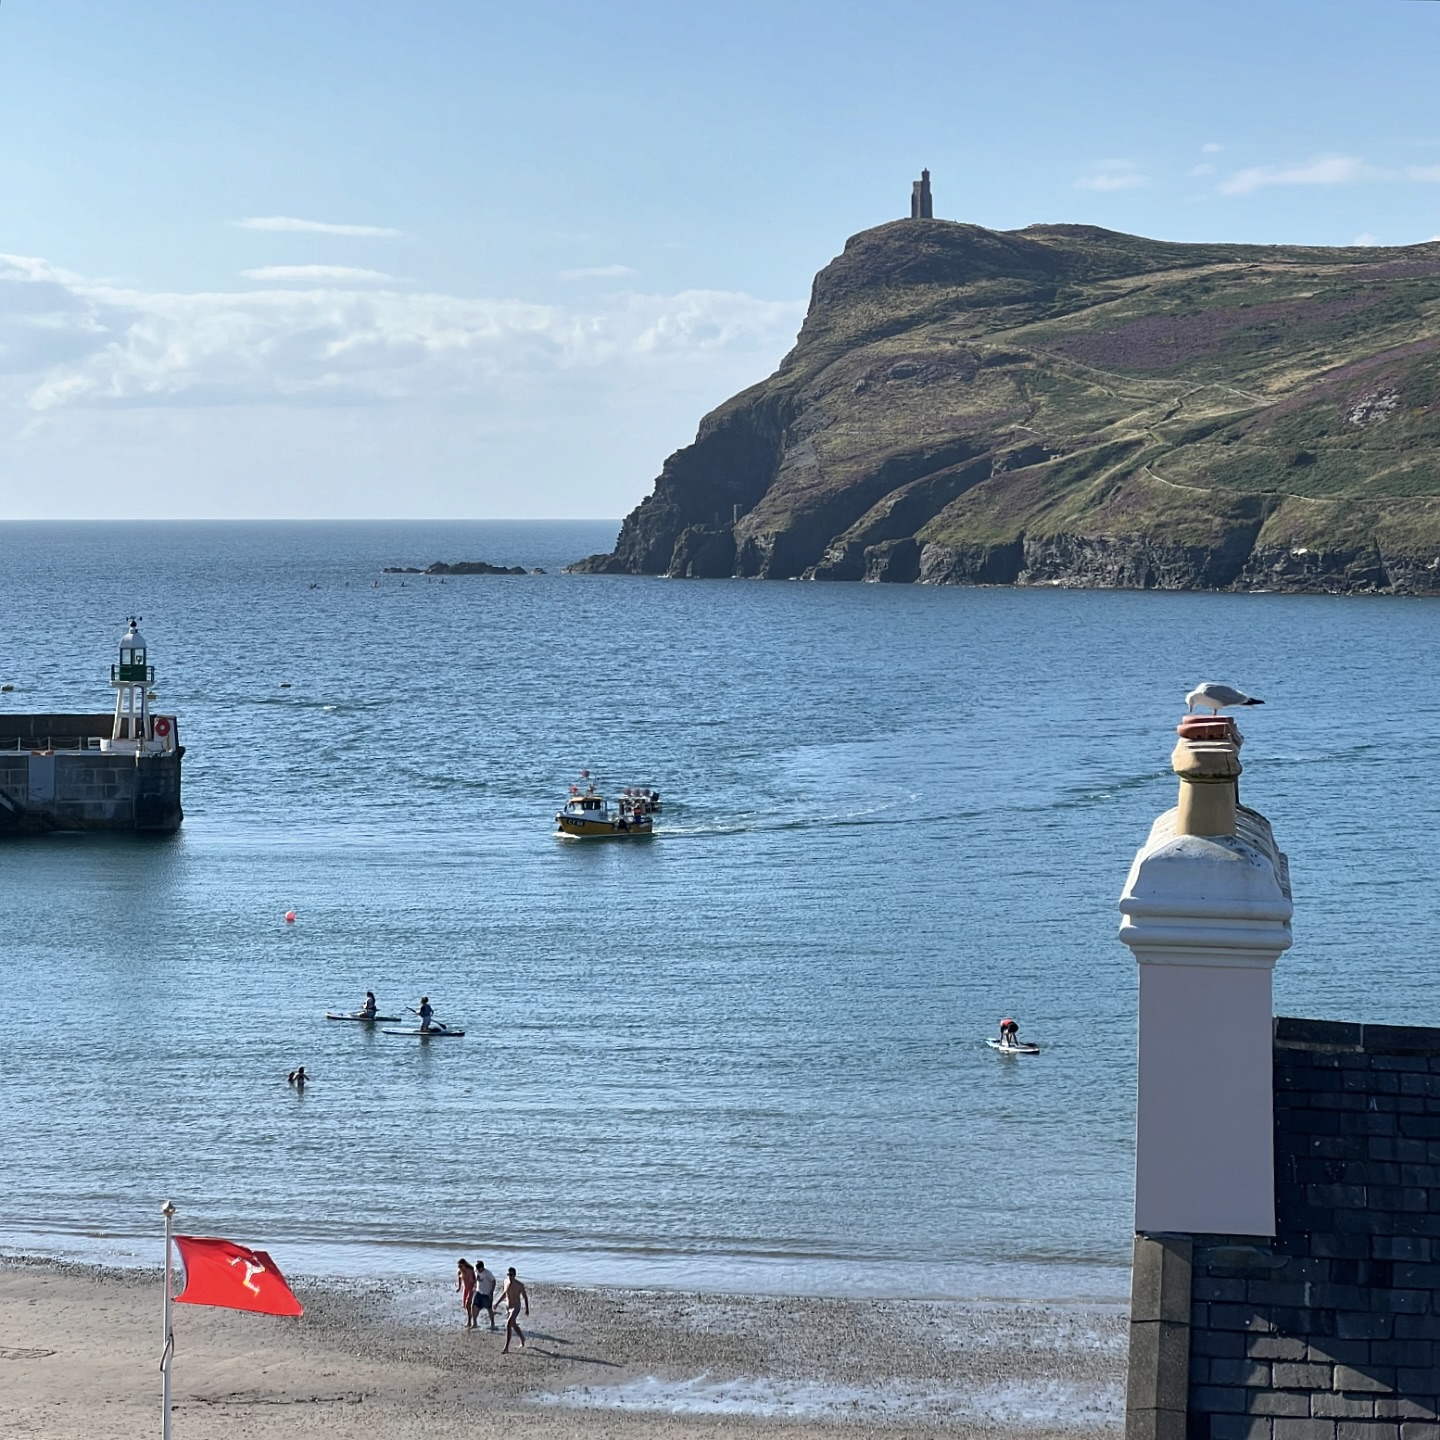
<point x="1066" y="404"/>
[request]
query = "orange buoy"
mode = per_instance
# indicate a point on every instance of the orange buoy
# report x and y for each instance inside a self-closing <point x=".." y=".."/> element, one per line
<point x="289" y="917"/>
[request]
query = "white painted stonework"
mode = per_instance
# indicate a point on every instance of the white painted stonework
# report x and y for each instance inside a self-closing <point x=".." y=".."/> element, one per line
<point x="1206" y="918"/>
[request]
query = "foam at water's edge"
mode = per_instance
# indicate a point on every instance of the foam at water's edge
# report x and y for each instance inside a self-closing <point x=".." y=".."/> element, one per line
<point x="1052" y="1402"/>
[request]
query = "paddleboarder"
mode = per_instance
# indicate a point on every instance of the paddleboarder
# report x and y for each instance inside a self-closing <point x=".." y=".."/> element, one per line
<point x="426" y="1012"/>
<point x="1009" y="1033"/>
<point x="370" y="1009"/>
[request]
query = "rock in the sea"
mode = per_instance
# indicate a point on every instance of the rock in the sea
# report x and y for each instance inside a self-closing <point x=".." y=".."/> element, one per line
<point x="460" y="567"/>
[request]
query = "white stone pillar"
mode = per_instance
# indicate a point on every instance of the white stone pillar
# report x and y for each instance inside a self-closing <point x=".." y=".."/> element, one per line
<point x="1206" y="916"/>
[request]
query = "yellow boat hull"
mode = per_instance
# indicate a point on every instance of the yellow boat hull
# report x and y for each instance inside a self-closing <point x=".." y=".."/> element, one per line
<point x="582" y="828"/>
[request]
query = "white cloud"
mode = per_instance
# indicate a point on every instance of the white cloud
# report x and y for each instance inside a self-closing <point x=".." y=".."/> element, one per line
<point x="1211" y="148"/>
<point x="1198" y="170"/>
<point x="1365" y="239"/>
<point x="288" y="223"/>
<point x="1427" y="174"/>
<point x="1323" y="170"/>
<point x="1113" y="175"/>
<point x="79" y="343"/>
<point x="597" y="272"/>
<point x="340" y="274"/>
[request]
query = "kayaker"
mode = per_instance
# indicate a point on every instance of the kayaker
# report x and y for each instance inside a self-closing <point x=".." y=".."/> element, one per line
<point x="1009" y="1033"/>
<point x="426" y="1013"/>
<point x="369" y="1010"/>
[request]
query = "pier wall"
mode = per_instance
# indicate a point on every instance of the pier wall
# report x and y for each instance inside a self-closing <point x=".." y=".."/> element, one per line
<point x="53" y="776"/>
<point x="1330" y="1330"/>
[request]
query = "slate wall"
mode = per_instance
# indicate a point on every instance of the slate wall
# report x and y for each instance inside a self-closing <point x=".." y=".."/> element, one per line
<point x="1329" y="1331"/>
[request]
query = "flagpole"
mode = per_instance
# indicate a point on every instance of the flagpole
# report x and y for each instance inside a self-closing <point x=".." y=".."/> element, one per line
<point x="168" y="1211"/>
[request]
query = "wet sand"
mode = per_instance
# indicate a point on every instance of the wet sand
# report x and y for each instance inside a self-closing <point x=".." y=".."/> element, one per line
<point x="79" y="1354"/>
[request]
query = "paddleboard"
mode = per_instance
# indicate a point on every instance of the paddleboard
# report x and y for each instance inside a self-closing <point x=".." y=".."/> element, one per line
<point x="357" y="1016"/>
<point x="1013" y="1049"/>
<point x="424" y="1034"/>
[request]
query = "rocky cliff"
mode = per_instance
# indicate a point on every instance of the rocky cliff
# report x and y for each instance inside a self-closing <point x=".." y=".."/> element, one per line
<point x="1067" y="405"/>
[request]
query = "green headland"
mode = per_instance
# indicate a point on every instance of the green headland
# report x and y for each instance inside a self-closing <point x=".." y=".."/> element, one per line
<point x="1068" y="405"/>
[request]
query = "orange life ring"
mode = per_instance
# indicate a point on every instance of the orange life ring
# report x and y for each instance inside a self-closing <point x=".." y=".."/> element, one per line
<point x="162" y="727"/>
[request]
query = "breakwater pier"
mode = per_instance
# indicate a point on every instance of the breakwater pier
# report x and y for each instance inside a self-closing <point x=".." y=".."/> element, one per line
<point x="117" y="771"/>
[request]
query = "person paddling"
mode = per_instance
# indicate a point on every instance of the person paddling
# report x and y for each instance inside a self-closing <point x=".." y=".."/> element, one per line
<point x="1009" y="1034"/>
<point x="426" y="1012"/>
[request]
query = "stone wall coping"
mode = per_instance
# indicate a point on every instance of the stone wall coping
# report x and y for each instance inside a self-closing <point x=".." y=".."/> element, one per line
<point x="1348" y="1037"/>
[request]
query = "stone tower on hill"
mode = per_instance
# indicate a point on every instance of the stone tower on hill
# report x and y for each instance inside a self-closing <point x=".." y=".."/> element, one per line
<point x="921" y="207"/>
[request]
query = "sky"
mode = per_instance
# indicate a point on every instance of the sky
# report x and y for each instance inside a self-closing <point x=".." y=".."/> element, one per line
<point x="336" y="258"/>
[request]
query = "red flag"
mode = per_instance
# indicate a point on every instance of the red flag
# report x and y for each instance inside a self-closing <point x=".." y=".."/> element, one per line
<point x="219" y="1272"/>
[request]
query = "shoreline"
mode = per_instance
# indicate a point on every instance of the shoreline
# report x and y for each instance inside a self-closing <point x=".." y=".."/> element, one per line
<point x="79" y="1345"/>
<point x="818" y="1277"/>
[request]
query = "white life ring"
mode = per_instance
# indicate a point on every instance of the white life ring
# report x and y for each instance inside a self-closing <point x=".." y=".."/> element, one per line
<point x="162" y="727"/>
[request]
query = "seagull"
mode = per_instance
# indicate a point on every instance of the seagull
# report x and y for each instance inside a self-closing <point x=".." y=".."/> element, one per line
<point x="1217" y="697"/>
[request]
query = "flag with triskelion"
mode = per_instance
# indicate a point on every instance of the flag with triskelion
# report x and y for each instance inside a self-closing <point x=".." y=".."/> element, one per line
<point x="220" y="1272"/>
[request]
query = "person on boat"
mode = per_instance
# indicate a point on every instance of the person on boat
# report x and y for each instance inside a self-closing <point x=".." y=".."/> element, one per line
<point x="1009" y="1033"/>
<point x="370" y="1009"/>
<point x="426" y="1013"/>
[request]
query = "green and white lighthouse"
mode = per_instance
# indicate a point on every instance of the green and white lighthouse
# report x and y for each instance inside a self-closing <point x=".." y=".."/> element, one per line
<point x="132" y="678"/>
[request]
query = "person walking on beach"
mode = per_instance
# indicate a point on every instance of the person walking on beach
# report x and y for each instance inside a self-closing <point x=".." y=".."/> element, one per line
<point x="513" y="1294"/>
<point x="465" y="1284"/>
<point x="484" y="1296"/>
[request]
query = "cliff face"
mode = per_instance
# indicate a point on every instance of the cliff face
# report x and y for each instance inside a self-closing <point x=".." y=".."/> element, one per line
<point x="1068" y="406"/>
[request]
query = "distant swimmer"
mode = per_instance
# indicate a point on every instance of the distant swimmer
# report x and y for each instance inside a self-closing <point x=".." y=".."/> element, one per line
<point x="1009" y="1034"/>
<point x="297" y="1077"/>
<point x="370" y="1009"/>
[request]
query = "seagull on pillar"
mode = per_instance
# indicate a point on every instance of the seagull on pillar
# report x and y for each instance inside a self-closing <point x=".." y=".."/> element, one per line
<point x="1217" y="697"/>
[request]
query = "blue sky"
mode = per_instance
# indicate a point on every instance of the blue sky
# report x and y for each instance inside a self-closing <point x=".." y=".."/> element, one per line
<point x="311" y="258"/>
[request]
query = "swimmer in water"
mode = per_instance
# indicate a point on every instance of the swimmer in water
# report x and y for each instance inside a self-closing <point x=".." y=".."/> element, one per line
<point x="297" y="1077"/>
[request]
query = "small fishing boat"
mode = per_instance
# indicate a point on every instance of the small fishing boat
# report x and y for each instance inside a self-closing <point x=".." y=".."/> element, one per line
<point x="588" y="815"/>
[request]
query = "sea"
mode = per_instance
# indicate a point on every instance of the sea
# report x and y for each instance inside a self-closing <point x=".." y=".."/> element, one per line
<point x="747" y="1054"/>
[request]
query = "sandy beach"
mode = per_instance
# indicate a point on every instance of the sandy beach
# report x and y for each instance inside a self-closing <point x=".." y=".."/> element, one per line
<point x="79" y="1352"/>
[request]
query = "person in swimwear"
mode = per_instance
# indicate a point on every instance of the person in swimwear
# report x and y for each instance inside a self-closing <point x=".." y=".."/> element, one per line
<point x="426" y="1013"/>
<point x="1009" y="1034"/>
<point x="484" y="1296"/>
<point x="465" y="1285"/>
<point x="370" y="1009"/>
<point x="297" y="1077"/>
<point x="512" y="1295"/>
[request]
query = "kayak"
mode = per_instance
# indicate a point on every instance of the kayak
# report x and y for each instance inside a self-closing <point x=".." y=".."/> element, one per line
<point x="435" y="1034"/>
<point x="358" y="1016"/>
<point x="1013" y="1049"/>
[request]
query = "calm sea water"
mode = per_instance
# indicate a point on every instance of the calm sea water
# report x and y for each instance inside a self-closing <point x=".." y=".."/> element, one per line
<point x="746" y="1053"/>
